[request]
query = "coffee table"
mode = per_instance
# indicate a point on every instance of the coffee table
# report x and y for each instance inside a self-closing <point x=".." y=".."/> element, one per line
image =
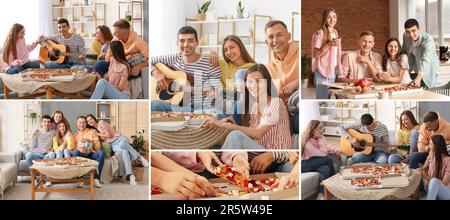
<point x="35" y="89"/>
<point x="67" y="174"/>
<point x="335" y="187"/>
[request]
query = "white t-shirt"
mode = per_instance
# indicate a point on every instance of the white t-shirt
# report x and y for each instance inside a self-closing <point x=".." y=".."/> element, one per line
<point x="394" y="68"/>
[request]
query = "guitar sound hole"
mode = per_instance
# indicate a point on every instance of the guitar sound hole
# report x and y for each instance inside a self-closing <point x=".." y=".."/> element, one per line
<point x="170" y="92"/>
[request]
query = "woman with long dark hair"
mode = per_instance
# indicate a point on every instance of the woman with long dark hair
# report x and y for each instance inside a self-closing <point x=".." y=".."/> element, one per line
<point x="266" y="121"/>
<point x="408" y="125"/>
<point x="326" y="53"/>
<point x="395" y="63"/>
<point x="115" y="84"/>
<point x="437" y="170"/>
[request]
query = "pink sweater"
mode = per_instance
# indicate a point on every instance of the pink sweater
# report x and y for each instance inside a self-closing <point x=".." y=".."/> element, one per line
<point x="116" y="72"/>
<point x="23" y="54"/>
<point x="317" y="148"/>
<point x="445" y="170"/>
<point x="189" y="159"/>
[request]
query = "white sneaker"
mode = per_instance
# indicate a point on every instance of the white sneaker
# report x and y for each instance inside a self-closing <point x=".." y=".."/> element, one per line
<point x="132" y="180"/>
<point x="97" y="183"/>
<point x="80" y="185"/>
<point x="320" y="196"/>
<point x="143" y="161"/>
<point x="48" y="184"/>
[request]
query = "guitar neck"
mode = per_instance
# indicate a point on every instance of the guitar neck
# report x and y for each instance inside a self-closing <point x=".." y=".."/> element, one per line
<point x="385" y="145"/>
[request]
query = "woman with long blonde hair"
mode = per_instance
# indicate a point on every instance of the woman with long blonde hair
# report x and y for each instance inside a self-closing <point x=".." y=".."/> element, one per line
<point x="316" y="152"/>
<point x="16" y="53"/>
<point x="326" y="53"/>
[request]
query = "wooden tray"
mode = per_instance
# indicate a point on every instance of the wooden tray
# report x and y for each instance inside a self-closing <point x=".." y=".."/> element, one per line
<point x="353" y="95"/>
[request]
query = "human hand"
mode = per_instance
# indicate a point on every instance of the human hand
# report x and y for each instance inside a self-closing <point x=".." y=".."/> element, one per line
<point x="186" y="186"/>
<point x="260" y="163"/>
<point x="213" y="59"/>
<point x="241" y="165"/>
<point x="206" y="157"/>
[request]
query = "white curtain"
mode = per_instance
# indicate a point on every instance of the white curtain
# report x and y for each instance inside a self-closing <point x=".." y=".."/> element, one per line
<point x="309" y="111"/>
<point x="166" y="17"/>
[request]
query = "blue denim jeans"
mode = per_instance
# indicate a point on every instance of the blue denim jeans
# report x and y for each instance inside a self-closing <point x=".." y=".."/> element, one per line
<point x="378" y="156"/>
<point x="99" y="156"/>
<point x="437" y="190"/>
<point x="65" y="153"/>
<point x="54" y="65"/>
<point x="30" y="156"/>
<point x="123" y="150"/>
<point x="18" y="69"/>
<point x="323" y="165"/>
<point x="101" y="67"/>
<point x="107" y="90"/>
<point x="238" y="140"/>
<point x="322" y="90"/>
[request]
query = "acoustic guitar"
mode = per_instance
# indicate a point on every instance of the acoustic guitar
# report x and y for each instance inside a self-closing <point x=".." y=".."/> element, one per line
<point x="366" y="144"/>
<point x="59" y="53"/>
<point x="178" y="82"/>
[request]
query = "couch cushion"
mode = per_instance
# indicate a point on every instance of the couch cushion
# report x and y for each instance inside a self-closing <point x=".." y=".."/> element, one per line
<point x="309" y="184"/>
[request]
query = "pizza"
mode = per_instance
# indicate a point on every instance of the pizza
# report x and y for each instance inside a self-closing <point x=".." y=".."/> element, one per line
<point x="54" y="72"/>
<point x="166" y="116"/>
<point x="67" y="161"/>
<point x="269" y="181"/>
<point x="233" y="177"/>
<point x="366" y="182"/>
<point x="156" y="191"/>
<point x="400" y="88"/>
<point x="379" y="170"/>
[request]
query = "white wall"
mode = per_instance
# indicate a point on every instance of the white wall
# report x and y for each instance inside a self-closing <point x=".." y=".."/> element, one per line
<point x="11" y="125"/>
<point x="386" y="113"/>
<point x="309" y="111"/>
<point x="167" y="16"/>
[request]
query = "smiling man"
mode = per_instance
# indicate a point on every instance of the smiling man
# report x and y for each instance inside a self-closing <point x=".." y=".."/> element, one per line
<point x="421" y="51"/>
<point x="73" y="41"/>
<point x="283" y="64"/>
<point x="378" y="130"/>
<point x="197" y="66"/>
<point x="362" y="63"/>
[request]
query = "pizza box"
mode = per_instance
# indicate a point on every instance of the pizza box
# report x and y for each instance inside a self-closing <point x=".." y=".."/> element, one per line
<point x="26" y="77"/>
<point x="168" y="125"/>
<point x="408" y="91"/>
<point x="291" y="194"/>
<point x="339" y="85"/>
<point x="198" y="119"/>
<point x="346" y="172"/>
<point x="158" y="117"/>
<point x="386" y="182"/>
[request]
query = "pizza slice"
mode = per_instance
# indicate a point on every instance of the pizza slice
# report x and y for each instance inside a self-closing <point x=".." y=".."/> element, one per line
<point x="227" y="172"/>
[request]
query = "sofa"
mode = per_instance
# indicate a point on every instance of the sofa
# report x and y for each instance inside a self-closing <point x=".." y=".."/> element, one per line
<point x="8" y="171"/>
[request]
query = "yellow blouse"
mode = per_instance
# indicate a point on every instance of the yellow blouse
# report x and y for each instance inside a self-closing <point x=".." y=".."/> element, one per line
<point x="70" y="140"/>
<point x="228" y="71"/>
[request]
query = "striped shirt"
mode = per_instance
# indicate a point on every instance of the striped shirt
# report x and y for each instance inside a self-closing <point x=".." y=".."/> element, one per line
<point x="275" y="114"/>
<point x="278" y="156"/>
<point x="380" y="133"/>
<point x="41" y="142"/>
<point x="205" y="76"/>
<point x="75" y="43"/>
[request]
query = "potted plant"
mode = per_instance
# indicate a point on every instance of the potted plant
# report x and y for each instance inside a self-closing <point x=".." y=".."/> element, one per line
<point x="306" y="72"/>
<point x="240" y="10"/>
<point x="201" y="11"/>
<point x="61" y="3"/>
<point x="33" y="117"/>
<point x="138" y="143"/>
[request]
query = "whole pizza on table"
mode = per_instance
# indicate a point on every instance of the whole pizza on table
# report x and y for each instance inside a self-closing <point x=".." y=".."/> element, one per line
<point x="49" y="74"/>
